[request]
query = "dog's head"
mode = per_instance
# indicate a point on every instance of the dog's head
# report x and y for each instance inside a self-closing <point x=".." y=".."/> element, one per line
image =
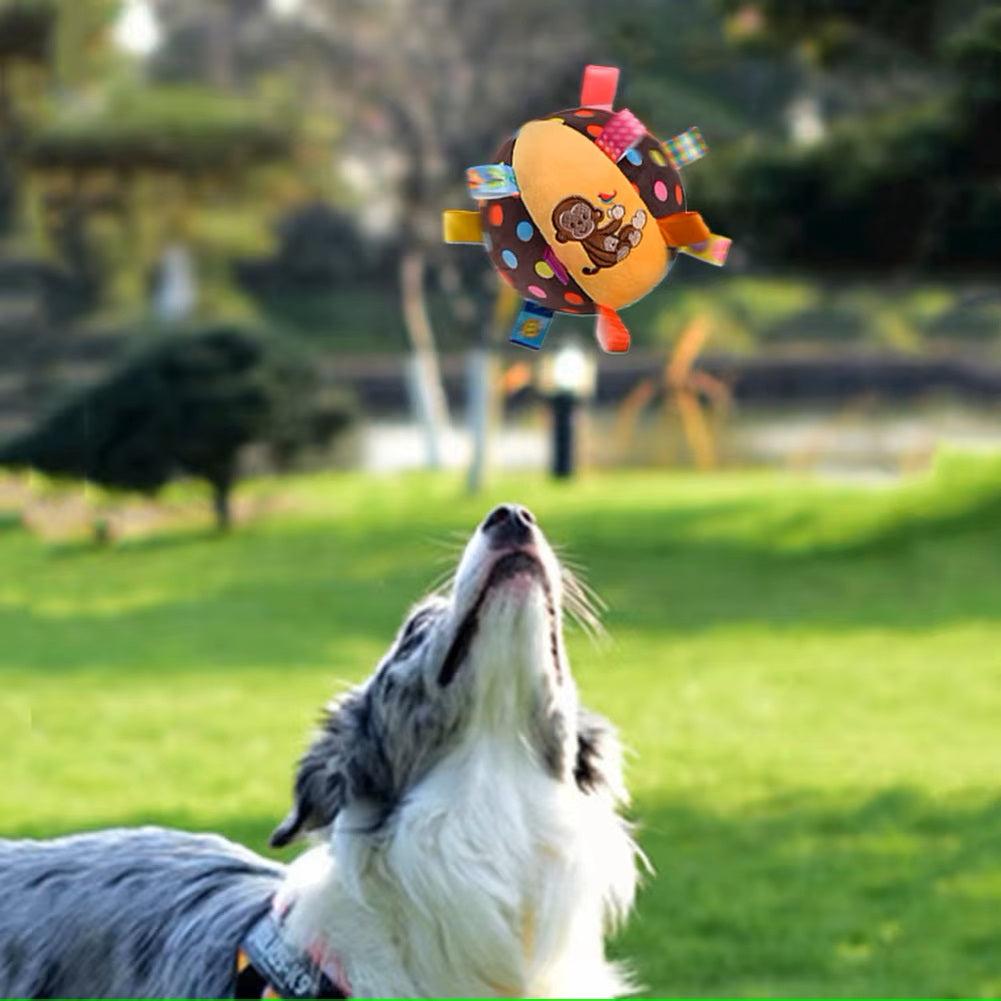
<point x="486" y="658"/>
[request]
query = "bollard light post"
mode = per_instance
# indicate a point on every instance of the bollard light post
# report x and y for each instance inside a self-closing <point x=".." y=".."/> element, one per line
<point x="566" y="378"/>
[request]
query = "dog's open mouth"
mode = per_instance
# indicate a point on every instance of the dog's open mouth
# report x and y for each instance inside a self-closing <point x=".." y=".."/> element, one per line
<point x="504" y="569"/>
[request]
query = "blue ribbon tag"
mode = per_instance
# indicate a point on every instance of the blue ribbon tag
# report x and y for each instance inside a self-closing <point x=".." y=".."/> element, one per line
<point x="531" y="326"/>
<point x="491" y="180"/>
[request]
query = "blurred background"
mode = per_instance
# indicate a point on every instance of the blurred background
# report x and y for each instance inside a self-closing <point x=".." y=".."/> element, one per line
<point x="225" y="302"/>
<point x="279" y="169"/>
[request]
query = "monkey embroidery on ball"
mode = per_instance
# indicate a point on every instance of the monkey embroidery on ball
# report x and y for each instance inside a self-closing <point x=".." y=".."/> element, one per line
<point x="583" y="211"/>
<point x="575" y="218"/>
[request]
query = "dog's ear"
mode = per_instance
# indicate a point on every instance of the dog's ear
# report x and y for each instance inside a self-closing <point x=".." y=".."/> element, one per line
<point x="598" y="768"/>
<point x="318" y="793"/>
<point x="345" y="761"/>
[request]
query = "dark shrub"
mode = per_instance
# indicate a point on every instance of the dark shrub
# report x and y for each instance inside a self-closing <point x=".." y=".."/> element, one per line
<point x="186" y="405"/>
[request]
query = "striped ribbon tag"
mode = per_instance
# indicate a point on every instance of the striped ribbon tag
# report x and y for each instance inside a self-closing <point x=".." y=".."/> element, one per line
<point x="685" y="148"/>
<point x="491" y="180"/>
<point x="712" y="251"/>
<point x="531" y="326"/>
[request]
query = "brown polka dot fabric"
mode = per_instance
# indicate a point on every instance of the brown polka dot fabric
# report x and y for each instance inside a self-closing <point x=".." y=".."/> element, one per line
<point x="519" y="252"/>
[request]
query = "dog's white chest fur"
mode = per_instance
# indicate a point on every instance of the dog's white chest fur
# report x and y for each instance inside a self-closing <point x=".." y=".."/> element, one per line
<point x="495" y="881"/>
<point x="496" y="874"/>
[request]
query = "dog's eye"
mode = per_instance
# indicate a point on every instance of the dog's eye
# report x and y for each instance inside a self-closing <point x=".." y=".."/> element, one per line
<point x="413" y="635"/>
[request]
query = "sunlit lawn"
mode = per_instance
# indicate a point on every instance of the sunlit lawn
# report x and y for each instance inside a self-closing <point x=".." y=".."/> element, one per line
<point x="809" y="675"/>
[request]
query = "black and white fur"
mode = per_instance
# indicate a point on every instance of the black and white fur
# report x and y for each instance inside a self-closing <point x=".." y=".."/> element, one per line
<point x="463" y="808"/>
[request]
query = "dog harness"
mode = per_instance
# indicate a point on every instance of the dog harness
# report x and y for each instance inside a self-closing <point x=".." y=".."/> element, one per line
<point x="268" y="967"/>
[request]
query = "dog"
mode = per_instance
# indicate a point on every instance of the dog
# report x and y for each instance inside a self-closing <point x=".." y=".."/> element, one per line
<point x="465" y="814"/>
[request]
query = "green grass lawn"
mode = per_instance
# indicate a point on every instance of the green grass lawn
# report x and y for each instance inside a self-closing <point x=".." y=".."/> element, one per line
<point x="809" y="676"/>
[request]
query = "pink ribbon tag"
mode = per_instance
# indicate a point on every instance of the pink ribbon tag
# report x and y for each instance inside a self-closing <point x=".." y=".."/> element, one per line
<point x="621" y="132"/>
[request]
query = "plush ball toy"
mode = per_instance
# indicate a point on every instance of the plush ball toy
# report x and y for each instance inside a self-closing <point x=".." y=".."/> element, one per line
<point x="583" y="211"/>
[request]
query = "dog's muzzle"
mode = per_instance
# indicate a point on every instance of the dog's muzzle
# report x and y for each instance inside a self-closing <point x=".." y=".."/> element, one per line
<point x="513" y="544"/>
<point x="508" y="525"/>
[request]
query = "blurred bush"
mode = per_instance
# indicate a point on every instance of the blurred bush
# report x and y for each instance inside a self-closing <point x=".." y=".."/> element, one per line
<point x="187" y="404"/>
<point x="904" y="168"/>
<point x="321" y="251"/>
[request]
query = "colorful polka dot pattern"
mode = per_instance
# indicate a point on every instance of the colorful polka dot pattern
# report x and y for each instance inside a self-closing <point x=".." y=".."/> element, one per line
<point x="517" y="248"/>
<point x="517" y="251"/>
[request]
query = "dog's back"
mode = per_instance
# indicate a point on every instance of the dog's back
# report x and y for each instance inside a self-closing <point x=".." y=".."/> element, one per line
<point x="127" y="913"/>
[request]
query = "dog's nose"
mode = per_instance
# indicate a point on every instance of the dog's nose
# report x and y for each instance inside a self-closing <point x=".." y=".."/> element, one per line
<point x="509" y="525"/>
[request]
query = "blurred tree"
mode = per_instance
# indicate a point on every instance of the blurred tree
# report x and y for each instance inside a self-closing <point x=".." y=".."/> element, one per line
<point x="891" y="158"/>
<point x="208" y="40"/>
<point x="424" y="90"/>
<point x="32" y="40"/>
<point x="147" y="159"/>
<point x="319" y="247"/>
<point x="681" y="68"/>
<point x="187" y="405"/>
<point x="41" y="43"/>
<point x="80" y="56"/>
<point x="26" y="28"/>
<point x="88" y="146"/>
<point x="240" y="47"/>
